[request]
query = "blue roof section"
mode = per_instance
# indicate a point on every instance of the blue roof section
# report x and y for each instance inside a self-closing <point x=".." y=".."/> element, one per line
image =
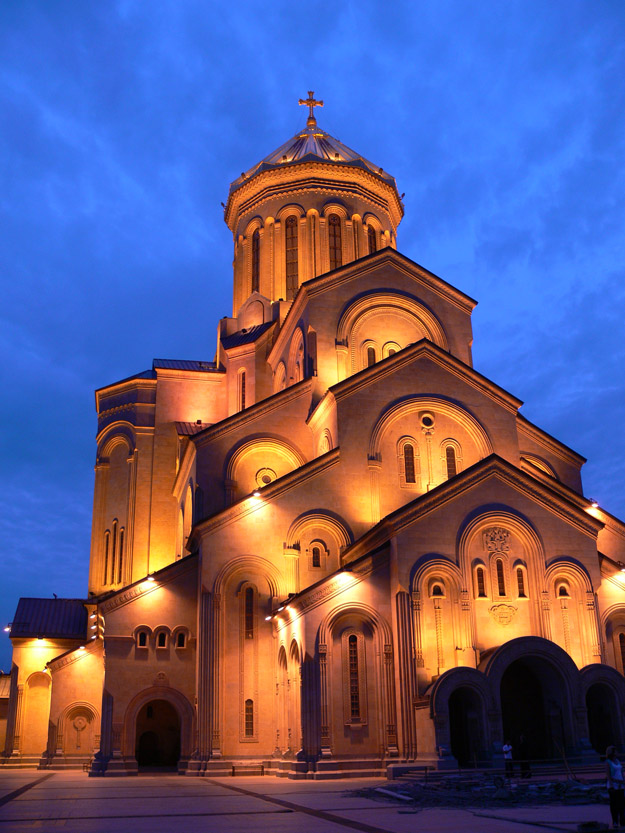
<point x="182" y="364"/>
<point x="52" y="618"/>
<point x="245" y="336"/>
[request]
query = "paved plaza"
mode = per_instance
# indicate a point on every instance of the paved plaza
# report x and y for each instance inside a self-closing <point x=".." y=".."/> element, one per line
<point x="70" y="801"/>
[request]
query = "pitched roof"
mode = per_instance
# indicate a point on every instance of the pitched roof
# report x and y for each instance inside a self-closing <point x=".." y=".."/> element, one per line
<point x="52" y="618"/>
<point x="182" y="364"/>
<point x="245" y="336"/>
<point x="187" y="429"/>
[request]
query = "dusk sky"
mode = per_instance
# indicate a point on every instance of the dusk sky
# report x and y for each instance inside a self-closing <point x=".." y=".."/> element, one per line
<point x="123" y="123"/>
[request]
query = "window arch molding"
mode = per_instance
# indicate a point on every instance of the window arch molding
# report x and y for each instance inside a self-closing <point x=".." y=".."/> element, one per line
<point x="390" y="348"/>
<point x="325" y="441"/>
<point x="177" y="633"/>
<point x="368" y="349"/>
<point x="279" y="379"/>
<point x="161" y="637"/>
<point x="296" y="369"/>
<point x="315" y="523"/>
<point x="403" y="461"/>
<point x="481" y="580"/>
<point x="318" y="554"/>
<point x="144" y="630"/>
<point x="454" y="445"/>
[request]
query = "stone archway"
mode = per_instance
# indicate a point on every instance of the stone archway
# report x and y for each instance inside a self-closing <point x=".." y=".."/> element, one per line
<point x="157" y="735"/>
<point x="466" y="726"/>
<point x="602" y="708"/>
<point x="136" y="715"/>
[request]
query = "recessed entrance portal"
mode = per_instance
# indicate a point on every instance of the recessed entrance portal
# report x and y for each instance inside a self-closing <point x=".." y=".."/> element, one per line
<point x="466" y="726"/>
<point x="535" y="708"/>
<point x="602" y="707"/>
<point x="158" y="735"/>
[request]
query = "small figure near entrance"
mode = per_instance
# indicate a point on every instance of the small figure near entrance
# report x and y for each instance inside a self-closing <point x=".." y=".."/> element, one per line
<point x="616" y="787"/>
<point x="507" y="757"/>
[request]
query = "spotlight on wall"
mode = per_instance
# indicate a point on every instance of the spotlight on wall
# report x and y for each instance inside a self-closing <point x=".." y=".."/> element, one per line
<point x="82" y="648"/>
<point x="256" y="493"/>
<point x="268" y="618"/>
<point x="621" y="566"/>
<point x="8" y="628"/>
<point x="593" y="503"/>
<point x="280" y="608"/>
<point x="151" y="577"/>
<point x="92" y="616"/>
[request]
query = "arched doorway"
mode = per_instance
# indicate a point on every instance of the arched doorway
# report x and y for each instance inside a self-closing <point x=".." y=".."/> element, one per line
<point x="535" y="708"/>
<point x="157" y="735"/>
<point x="466" y="729"/>
<point x="601" y="706"/>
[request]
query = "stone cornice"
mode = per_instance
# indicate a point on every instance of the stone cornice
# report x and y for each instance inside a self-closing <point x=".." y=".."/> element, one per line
<point x="259" y="409"/>
<point x="122" y="387"/>
<point x="272" y="491"/>
<point x="75" y="655"/>
<point x="312" y="175"/>
<point x="142" y="587"/>
<point x="548" y="442"/>
<point x="431" y="351"/>
<point x="170" y="374"/>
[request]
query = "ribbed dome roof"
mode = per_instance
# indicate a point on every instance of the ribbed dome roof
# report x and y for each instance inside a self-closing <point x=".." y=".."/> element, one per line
<point x="309" y="145"/>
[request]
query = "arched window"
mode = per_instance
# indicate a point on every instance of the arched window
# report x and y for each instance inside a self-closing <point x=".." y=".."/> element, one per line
<point x="563" y="590"/>
<point x="334" y="241"/>
<point x="520" y="580"/>
<point x="354" y="685"/>
<point x="161" y="640"/>
<point x="249" y="613"/>
<point x="255" y="260"/>
<point x="450" y="460"/>
<point x="501" y="582"/>
<point x="107" y="544"/>
<point x="391" y="351"/>
<point x="113" y="551"/>
<point x="291" y="257"/>
<point x="142" y="639"/>
<point x="481" y="582"/>
<point x="249" y="718"/>
<point x="437" y="590"/>
<point x="316" y="557"/>
<point x="241" y="389"/>
<point x="370" y="356"/>
<point x="621" y="642"/>
<point x="181" y="640"/>
<point x="409" y="468"/>
<point x="120" y="560"/>
<point x="372" y="240"/>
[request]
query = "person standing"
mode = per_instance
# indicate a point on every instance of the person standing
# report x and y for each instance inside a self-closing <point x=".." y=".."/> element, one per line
<point x="616" y="787"/>
<point x="507" y="757"/>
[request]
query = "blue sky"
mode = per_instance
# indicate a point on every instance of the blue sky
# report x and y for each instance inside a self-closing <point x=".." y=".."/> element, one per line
<point x="123" y="124"/>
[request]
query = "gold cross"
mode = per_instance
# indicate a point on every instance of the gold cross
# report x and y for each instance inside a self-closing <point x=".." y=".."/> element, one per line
<point x="310" y="103"/>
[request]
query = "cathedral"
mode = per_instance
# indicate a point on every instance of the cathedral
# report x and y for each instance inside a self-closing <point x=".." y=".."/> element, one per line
<point x="336" y="549"/>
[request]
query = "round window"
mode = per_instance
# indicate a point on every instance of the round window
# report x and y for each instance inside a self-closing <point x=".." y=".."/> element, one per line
<point x="427" y="420"/>
<point x="265" y="476"/>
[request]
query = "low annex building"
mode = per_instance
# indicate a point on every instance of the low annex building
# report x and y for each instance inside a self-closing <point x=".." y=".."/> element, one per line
<point x="335" y="547"/>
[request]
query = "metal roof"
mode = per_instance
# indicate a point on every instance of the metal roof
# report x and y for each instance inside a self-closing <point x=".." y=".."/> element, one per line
<point x="312" y="144"/>
<point x="187" y="429"/>
<point x="5" y="685"/>
<point x="52" y="618"/>
<point x="245" y="336"/>
<point x="181" y="364"/>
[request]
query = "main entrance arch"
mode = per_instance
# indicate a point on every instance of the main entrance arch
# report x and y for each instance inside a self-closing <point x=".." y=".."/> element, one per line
<point x="157" y="736"/>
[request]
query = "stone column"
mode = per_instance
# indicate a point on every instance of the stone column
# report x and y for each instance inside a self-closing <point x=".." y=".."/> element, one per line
<point x="326" y="748"/>
<point x="389" y="714"/>
<point x="406" y="675"/>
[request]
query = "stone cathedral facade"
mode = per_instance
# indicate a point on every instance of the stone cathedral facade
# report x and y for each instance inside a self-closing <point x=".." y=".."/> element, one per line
<point x="336" y="547"/>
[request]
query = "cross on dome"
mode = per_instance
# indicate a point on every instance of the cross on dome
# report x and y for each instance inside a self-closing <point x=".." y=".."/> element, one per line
<point x="310" y="102"/>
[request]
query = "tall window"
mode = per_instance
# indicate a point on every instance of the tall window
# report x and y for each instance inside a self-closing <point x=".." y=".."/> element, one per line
<point x="354" y="689"/>
<point x="291" y="257"/>
<point x="372" y="241"/>
<point x="249" y="613"/>
<point x="621" y="642"/>
<point x="501" y="582"/>
<point x="255" y="260"/>
<point x="249" y="718"/>
<point x="409" y="469"/>
<point x="107" y="544"/>
<point x="370" y="356"/>
<point x="520" y="580"/>
<point x="316" y="557"/>
<point x="334" y="238"/>
<point x="120" y="560"/>
<point x="450" y="460"/>
<point x="241" y="390"/>
<point x="113" y="551"/>
<point x="481" y="583"/>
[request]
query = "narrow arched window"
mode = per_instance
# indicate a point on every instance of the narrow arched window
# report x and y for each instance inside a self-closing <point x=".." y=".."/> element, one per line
<point x="391" y="351"/>
<point x="501" y="582"/>
<point x="354" y="687"/>
<point x="621" y="642"/>
<point x="255" y="260"/>
<point x="180" y="639"/>
<point x="450" y="461"/>
<point x="291" y="257"/>
<point x="142" y="642"/>
<point x="241" y="390"/>
<point x="481" y="582"/>
<point x="316" y="557"/>
<point x="520" y="580"/>
<point x="409" y="469"/>
<point x="373" y="247"/>
<point x="107" y="544"/>
<point x="334" y="241"/>
<point x="120" y="560"/>
<point x="249" y="613"/>
<point x="563" y="591"/>
<point x="437" y="590"/>
<point x="161" y="640"/>
<point x="249" y="718"/>
<point x="113" y="551"/>
<point x="370" y="356"/>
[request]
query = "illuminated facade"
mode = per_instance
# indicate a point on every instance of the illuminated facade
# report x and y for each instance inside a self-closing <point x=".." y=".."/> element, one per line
<point x="337" y="546"/>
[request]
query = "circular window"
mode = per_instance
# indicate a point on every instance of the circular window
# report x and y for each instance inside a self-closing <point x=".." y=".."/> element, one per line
<point x="265" y="476"/>
<point x="427" y="420"/>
